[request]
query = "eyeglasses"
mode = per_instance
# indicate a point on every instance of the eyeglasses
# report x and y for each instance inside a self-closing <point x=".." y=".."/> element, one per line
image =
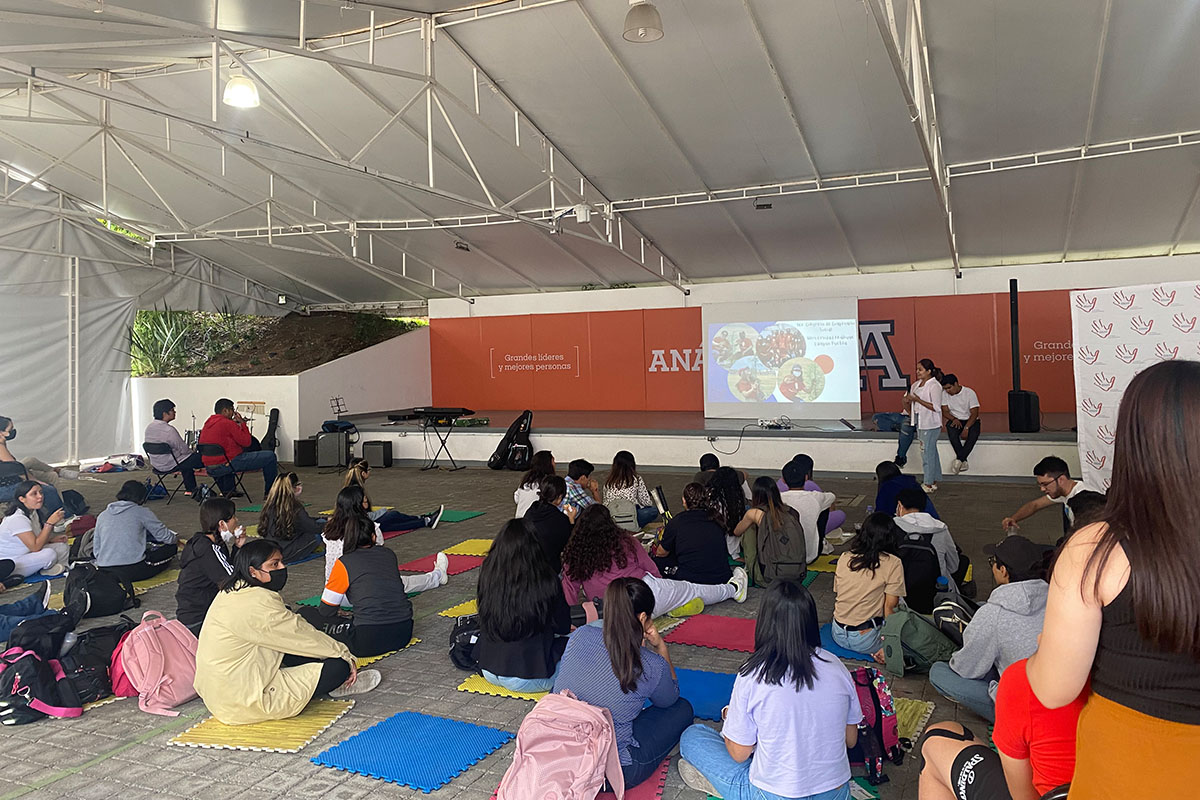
<point x="992" y="561"/>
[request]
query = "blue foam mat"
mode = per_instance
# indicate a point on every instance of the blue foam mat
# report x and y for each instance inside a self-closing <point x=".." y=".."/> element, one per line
<point x="39" y="578"/>
<point x="414" y="749"/>
<point x="308" y="557"/>
<point x="828" y="644"/>
<point x="708" y="692"/>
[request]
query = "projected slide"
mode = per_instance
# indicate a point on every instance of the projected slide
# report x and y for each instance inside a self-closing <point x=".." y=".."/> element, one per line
<point x="798" y="359"/>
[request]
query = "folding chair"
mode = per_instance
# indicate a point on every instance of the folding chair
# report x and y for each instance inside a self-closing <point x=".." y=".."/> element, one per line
<point x="163" y="449"/>
<point x="215" y="450"/>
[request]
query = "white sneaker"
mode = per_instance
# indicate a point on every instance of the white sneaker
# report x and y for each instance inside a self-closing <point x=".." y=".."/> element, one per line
<point x="956" y="466"/>
<point x="54" y="569"/>
<point x="741" y="583"/>
<point x="441" y="565"/>
<point x="827" y="548"/>
<point x="694" y="780"/>
<point x="963" y="466"/>
<point x="367" y="680"/>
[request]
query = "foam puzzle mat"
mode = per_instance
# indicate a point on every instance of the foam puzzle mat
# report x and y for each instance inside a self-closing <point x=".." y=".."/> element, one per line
<point x="722" y="633"/>
<point x="470" y="547"/>
<point x="477" y="684"/>
<point x="708" y="692"/>
<point x="461" y="610"/>
<point x="458" y="564"/>
<point x="276" y="736"/>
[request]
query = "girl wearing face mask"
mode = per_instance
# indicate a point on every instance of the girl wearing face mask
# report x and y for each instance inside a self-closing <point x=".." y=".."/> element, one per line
<point x="257" y="660"/>
<point x="207" y="560"/>
<point x="285" y="520"/>
<point x="35" y="470"/>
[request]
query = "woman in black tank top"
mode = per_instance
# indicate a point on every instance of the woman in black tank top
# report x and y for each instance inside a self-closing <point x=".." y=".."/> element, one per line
<point x="1124" y="604"/>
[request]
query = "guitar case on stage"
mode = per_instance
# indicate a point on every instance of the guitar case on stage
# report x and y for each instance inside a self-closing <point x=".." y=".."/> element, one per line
<point x="514" y="450"/>
<point x="270" y="440"/>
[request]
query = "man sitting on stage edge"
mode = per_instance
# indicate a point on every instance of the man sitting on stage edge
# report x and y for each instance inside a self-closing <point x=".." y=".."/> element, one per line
<point x="161" y="431"/>
<point x="227" y="428"/>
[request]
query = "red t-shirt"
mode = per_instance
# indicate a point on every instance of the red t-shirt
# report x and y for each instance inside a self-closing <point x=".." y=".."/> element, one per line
<point x="1027" y="730"/>
<point x="232" y="436"/>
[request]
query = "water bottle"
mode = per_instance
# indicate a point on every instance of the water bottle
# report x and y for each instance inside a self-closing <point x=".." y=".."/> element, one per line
<point x="68" y="642"/>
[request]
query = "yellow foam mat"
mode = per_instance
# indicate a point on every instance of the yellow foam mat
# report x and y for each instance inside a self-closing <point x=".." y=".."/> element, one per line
<point x="461" y="610"/>
<point x="476" y="684"/>
<point x="912" y="716"/>
<point x="252" y="530"/>
<point x="277" y="736"/>
<point x="825" y="563"/>
<point x="470" y="547"/>
<point x="377" y="508"/>
<point x="362" y="662"/>
<point x="665" y="624"/>
<point x="112" y="698"/>
<point x="139" y="587"/>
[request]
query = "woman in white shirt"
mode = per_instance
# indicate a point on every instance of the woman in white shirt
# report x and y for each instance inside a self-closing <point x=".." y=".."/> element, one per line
<point x="793" y="713"/>
<point x="541" y="466"/>
<point x="27" y="540"/>
<point x="926" y="397"/>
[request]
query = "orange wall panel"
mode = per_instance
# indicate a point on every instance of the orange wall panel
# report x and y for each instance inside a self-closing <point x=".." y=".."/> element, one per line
<point x="673" y="350"/>
<point x="618" y="372"/>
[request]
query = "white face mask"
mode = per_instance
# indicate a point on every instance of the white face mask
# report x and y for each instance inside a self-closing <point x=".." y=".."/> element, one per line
<point x="231" y="536"/>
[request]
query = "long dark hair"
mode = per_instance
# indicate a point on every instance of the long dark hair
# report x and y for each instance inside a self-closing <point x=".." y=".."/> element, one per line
<point x="698" y="497"/>
<point x="786" y="637"/>
<point x="1153" y="510"/>
<point x="23" y="488"/>
<point x="349" y="521"/>
<point x="935" y="373"/>
<point x="624" y="600"/>
<point x="596" y="544"/>
<point x="765" y="495"/>
<point x="552" y="488"/>
<point x="541" y="466"/>
<point x="214" y="511"/>
<point x="253" y="553"/>
<point x="518" y="588"/>
<point x="879" y="535"/>
<point x="727" y="484"/>
<point x="623" y="473"/>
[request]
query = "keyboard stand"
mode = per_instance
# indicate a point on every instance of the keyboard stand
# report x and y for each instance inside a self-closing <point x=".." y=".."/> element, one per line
<point x="444" y="447"/>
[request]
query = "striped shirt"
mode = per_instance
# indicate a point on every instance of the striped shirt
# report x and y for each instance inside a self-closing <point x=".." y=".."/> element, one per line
<point x="586" y="670"/>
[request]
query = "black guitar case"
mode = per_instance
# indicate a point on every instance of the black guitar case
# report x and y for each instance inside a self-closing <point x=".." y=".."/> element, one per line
<point x="270" y="440"/>
<point x="514" y="450"/>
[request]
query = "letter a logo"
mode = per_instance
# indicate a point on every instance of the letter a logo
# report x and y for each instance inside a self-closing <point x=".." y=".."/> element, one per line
<point x="877" y="354"/>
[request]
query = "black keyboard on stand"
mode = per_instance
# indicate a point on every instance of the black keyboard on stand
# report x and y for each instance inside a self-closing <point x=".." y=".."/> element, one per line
<point x="441" y="420"/>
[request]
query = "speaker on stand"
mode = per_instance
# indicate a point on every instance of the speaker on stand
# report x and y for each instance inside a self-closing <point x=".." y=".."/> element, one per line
<point x="1024" y="409"/>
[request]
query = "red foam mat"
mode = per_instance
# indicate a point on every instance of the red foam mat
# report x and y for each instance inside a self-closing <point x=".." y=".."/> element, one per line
<point x="458" y="564"/>
<point x="723" y="633"/>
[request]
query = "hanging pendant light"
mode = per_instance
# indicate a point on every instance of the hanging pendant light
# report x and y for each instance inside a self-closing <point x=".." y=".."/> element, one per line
<point x="643" y="23"/>
<point x="240" y="92"/>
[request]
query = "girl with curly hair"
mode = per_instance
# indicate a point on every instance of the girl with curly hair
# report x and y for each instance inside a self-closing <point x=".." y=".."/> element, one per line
<point x="599" y="552"/>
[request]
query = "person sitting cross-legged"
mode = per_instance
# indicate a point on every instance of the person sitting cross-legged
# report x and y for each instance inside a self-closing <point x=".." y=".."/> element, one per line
<point x="868" y="585"/>
<point x="793" y="712"/>
<point x="27" y="539"/>
<point x="129" y="539"/>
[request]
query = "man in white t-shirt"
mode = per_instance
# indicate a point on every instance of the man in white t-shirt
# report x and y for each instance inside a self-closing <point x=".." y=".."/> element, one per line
<point x="960" y="410"/>
<point x="1054" y="479"/>
<point x="808" y="505"/>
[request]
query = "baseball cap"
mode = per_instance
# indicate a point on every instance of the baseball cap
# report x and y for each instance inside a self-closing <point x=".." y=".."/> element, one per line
<point x="1022" y="557"/>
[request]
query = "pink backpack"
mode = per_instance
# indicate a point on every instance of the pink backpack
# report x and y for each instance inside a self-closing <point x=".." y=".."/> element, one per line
<point x="565" y="750"/>
<point x="159" y="659"/>
<point x="116" y="670"/>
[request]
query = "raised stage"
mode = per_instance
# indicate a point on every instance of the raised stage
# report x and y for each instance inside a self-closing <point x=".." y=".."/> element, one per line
<point x="677" y="439"/>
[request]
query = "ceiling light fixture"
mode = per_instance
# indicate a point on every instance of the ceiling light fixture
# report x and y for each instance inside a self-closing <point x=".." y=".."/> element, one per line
<point x="461" y="245"/>
<point x="240" y="92"/>
<point x="643" y="23"/>
<point x="762" y="204"/>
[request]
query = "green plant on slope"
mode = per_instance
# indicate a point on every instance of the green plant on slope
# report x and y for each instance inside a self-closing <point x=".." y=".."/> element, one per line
<point x="159" y="341"/>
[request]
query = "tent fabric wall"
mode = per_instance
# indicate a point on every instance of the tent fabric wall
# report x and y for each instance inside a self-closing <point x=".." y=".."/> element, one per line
<point x="34" y="332"/>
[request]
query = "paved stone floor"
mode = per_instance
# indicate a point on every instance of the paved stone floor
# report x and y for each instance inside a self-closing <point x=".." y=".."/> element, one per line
<point x="117" y="751"/>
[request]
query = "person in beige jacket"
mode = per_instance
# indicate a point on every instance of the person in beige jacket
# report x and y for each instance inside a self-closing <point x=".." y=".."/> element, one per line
<point x="257" y="660"/>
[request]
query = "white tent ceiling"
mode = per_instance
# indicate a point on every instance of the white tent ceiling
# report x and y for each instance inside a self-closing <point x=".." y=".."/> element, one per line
<point x="380" y="169"/>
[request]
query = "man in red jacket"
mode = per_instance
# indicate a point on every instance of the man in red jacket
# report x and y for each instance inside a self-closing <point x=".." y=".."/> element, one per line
<point x="227" y="428"/>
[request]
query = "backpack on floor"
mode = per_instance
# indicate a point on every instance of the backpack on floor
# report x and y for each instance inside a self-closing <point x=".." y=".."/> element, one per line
<point x="88" y="664"/>
<point x="517" y="436"/>
<point x="121" y="685"/>
<point x="912" y="643"/>
<point x="782" y="552"/>
<point x="878" y="733"/>
<point x="73" y="503"/>
<point x="463" y="636"/>
<point x="921" y="571"/>
<point x="565" y="750"/>
<point x="107" y="592"/>
<point x="159" y="658"/>
<point x="33" y="688"/>
<point x="951" y="618"/>
<point x="83" y="548"/>
<point x="42" y="635"/>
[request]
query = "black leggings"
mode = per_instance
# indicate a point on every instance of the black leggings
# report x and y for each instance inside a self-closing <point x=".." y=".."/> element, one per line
<point x="363" y="640"/>
<point x="334" y="671"/>
<point x="157" y="559"/>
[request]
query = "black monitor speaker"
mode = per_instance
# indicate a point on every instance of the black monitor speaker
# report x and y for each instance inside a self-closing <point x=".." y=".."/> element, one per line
<point x="1024" y="409"/>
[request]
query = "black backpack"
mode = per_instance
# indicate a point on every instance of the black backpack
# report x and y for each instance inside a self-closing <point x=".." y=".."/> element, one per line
<point x="87" y="664"/>
<point x="106" y="591"/>
<point x="463" y="637"/>
<point x="73" y="503"/>
<point x="514" y="451"/>
<point x="42" y="635"/>
<point x="31" y="689"/>
<point x="921" y="571"/>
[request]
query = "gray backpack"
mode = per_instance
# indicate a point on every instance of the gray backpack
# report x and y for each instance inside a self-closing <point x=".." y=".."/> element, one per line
<point x="782" y="554"/>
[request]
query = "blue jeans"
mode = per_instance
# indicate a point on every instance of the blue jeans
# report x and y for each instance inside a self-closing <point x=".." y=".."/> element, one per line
<point x="12" y="614"/>
<point x="931" y="461"/>
<point x="521" y="684"/>
<point x="969" y="692"/>
<point x="248" y="462"/>
<point x="704" y="749"/>
<point x="657" y="731"/>
<point x="391" y="520"/>
<point x="868" y="641"/>
<point x="646" y="515"/>
<point x="891" y="421"/>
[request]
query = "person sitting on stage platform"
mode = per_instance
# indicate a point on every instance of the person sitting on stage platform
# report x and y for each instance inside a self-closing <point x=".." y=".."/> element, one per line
<point x="692" y="547"/>
<point x="161" y="431"/>
<point x="285" y="520"/>
<point x="599" y="551"/>
<point x="623" y="482"/>
<point x="541" y="466"/>
<point x="582" y="488"/>
<point x="228" y="428"/>
<point x="389" y="520"/>
<point x="837" y="517"/>
<point x="552" y="519"/>
<point x="960" y="410"/>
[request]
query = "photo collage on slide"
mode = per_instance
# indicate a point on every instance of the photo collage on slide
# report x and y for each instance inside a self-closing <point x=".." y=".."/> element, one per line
<point x="802" y="361"/>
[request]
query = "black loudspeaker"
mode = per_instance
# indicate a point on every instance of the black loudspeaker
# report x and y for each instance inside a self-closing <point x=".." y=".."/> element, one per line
<point x="304" y="453"/>
<point x="1024" y="412"/>
<point x="378" y="453"/>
